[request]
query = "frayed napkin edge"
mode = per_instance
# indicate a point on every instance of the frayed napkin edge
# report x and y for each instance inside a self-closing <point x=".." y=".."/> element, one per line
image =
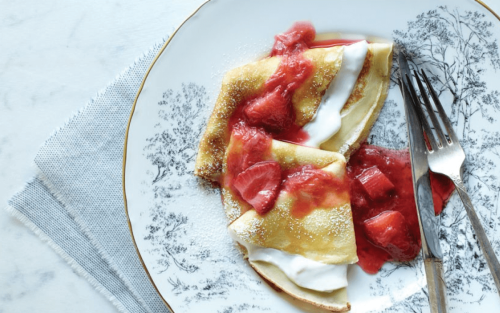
<point x="86" y="231"/>
<point x="46" y="239"/>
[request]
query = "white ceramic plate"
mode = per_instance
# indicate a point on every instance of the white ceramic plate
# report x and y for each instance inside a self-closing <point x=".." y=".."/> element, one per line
<point x="177" y="220"/>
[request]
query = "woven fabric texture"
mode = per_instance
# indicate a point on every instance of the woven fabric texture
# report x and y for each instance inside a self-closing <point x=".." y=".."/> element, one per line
<point x="76" y="202"/>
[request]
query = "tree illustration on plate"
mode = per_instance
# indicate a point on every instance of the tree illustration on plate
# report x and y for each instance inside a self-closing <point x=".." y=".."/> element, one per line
<point x="175" y="146"/>
<point x="171" y="151"/>
<point x="390" y="129"/>
<point x="457" y="48"/>
<point x="166" y="236"/>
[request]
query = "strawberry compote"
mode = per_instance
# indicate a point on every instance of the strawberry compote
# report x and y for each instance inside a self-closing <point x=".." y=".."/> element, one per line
<point x="313" y="188"/>
<point x="259" y="185"/>
<point x="442" y="188"/>
<point x="249" y="145"/>
<point x="376" y="210"/>
<point x="257" y="179"/>
<point x="272" y="108"/>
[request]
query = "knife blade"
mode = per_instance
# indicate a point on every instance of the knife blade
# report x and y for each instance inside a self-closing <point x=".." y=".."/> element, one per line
<point x="429" y="224"/>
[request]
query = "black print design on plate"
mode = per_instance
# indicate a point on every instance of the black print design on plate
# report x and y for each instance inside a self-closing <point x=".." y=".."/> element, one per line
<point x="221" y="286"/>
<point x="175" y="147"/>
<point x="171" y="152"/>
<point x="458" y="49"/>
<point x="390" y="129"/>
<point x="244" y="307"/>
<point x="166" y="234"/>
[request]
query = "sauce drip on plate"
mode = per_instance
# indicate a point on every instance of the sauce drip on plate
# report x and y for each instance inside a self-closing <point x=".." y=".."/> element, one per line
<point x="395" y="166"/>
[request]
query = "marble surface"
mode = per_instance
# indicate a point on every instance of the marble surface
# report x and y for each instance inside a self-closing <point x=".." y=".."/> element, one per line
<point x="55" y="56"/>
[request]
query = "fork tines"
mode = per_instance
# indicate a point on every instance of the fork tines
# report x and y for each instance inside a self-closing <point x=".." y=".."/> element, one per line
<point x="443" y="140"/>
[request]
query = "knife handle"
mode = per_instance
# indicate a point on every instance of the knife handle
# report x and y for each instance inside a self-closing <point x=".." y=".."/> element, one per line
<point x="436" y="285"/>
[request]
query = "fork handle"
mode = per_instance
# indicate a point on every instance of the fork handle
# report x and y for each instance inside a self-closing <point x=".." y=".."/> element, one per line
<point x="488" y="252"/>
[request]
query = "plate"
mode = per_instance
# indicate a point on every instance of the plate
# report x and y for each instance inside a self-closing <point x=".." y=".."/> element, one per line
<point x="177" y="220"/>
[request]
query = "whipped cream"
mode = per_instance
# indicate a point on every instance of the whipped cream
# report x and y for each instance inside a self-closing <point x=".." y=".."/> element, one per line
<point x="302" y="271"/>
<point x="327" y="121"/>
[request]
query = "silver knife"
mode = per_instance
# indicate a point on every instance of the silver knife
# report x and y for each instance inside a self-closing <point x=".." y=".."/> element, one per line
<point x="429" y="224"/>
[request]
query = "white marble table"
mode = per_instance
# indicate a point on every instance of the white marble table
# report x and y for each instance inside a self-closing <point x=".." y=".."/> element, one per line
<point x="55" y="56"/>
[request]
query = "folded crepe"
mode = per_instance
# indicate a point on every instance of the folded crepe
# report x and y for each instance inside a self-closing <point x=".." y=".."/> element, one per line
<point x="358" y="114"/>
<point x="335" y="301"/>
<point x="325" y="234"/>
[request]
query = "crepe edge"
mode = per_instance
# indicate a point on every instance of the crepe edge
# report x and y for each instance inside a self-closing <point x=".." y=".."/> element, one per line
<point x="378" y="108"/>
<point x="278" y="280"/>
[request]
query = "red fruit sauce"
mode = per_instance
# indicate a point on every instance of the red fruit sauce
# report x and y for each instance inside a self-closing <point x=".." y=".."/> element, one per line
<point x="390" y="231"/>
<point x="395" y="165"/>
<point x="272" y="109"/>
<point x="270" y="115"/>
<point x="313" y="188"/>
<point x="442" y="188"/>
<point x="250" y="152"/>
<point x="375" y="183"/>
<point x="249" y="146"/>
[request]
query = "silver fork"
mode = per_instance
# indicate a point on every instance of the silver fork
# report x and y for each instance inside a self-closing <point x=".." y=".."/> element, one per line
<point x="447" y="157"/>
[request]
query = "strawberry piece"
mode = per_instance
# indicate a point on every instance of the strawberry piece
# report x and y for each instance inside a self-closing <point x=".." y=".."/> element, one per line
<point x="250" y="145"/>
<point x="259" y="185"/>
<point x="375" y="183"/>
<point x="272" y="111"/>
<point x="371" y="258"/>
<point x="390" y="232"/>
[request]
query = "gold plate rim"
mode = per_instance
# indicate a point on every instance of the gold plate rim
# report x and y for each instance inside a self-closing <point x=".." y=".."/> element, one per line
<point x="130" y="120"/>
<point x="125" y="150"/>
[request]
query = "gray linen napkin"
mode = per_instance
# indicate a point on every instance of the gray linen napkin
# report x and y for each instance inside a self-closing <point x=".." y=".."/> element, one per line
<point x="76" y="203"/>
